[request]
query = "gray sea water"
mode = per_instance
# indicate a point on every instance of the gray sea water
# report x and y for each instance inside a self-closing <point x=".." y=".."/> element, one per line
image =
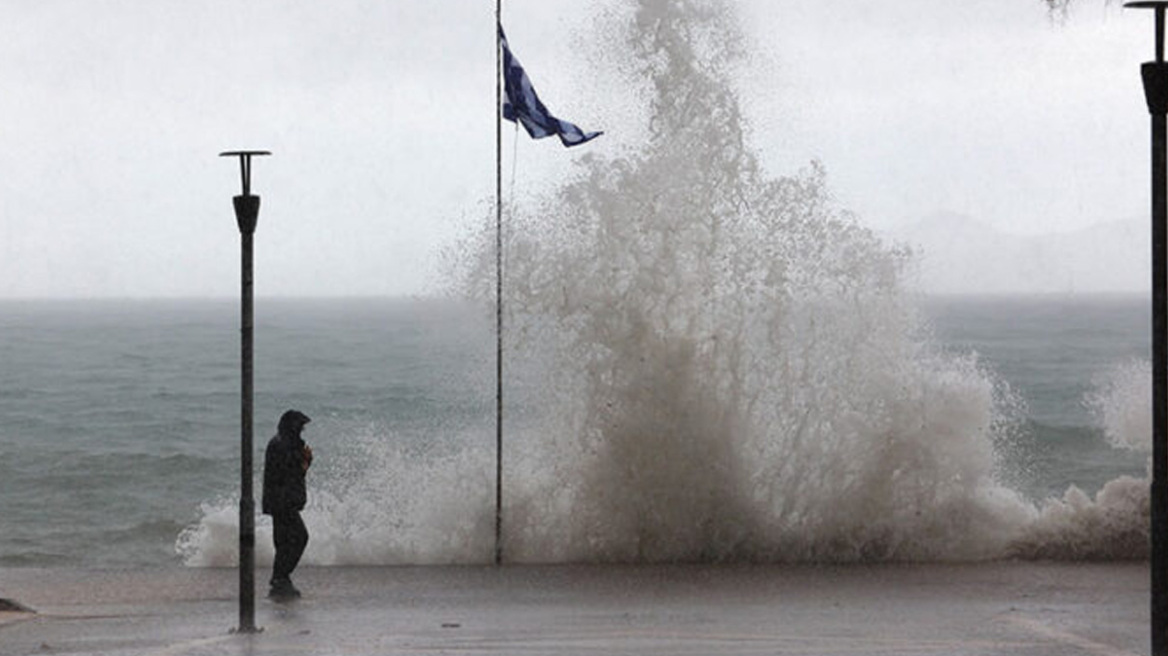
<point x="119" y="420"/>
<point x="121" y="417"/>
<point x="1056" y="353"/>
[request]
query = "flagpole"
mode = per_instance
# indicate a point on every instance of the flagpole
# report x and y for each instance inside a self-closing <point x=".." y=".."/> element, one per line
<point x="522" y="106"/>
<point x="498" y="287"/>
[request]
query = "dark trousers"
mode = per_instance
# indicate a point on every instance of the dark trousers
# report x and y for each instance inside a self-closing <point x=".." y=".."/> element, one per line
<point x="290" y="537"/>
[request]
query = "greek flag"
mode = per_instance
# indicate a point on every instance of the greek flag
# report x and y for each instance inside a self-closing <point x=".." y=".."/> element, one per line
<point x="522" y="105"/>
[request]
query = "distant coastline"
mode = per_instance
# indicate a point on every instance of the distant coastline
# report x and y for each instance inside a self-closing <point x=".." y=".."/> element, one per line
<point x="957" y="254"/>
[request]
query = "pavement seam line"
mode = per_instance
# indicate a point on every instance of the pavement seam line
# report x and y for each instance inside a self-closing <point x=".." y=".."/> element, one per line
<point x="183" y="647"/>
<point x="1086" y="644"/>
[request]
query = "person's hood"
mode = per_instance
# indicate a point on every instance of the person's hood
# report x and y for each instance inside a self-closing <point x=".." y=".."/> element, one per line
<point x="292" y="420"/>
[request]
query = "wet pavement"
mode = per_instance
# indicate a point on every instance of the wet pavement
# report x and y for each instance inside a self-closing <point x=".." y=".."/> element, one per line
<point x="991" y="608"/>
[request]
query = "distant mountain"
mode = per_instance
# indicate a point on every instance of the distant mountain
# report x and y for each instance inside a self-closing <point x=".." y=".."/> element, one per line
<point x="956" y="254"/>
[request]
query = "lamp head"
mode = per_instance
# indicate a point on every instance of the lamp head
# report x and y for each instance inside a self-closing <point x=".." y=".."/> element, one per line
<point x="245" y="165"/>
<point x="247" y="207"/>
<point x="1159" y="6"/>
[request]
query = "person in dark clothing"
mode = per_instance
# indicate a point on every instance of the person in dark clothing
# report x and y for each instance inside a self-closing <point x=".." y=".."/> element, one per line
<point x="286" y="462"/>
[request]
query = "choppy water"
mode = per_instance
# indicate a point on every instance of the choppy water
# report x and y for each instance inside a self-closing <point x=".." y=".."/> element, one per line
<point x="1062" y="357"/>
<point x="121" y="420"/>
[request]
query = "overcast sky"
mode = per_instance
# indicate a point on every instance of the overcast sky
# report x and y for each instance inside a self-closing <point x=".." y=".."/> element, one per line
<point x="380" y="115"/>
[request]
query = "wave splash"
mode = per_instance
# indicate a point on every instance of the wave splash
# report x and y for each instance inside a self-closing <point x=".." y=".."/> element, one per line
<point x="1115" y="523"/>
<point x="713" y="365"/>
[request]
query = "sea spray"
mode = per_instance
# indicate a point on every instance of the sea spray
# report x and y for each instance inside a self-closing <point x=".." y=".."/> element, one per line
<point x="736" y="370"/>
<point x="372" y="501"/>
<point x="1122" y="405"/>
<point x="1115" y="523"/>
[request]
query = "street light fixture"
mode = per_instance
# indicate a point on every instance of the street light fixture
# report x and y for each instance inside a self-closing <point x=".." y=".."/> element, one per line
<point x="1155" y="76"/>
<point x="247" y="209"/>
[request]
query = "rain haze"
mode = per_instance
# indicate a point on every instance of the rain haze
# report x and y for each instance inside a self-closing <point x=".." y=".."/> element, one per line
<point x="711" y="348"/>
<point x="988" y="115"/>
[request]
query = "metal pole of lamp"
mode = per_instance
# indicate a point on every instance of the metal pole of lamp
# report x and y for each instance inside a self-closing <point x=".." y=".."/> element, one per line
<point x="247" y="210"/>
<point x="1155" y="77"/>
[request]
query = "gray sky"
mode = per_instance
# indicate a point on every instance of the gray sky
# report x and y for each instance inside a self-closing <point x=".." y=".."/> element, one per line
<point x="381" y="118"/>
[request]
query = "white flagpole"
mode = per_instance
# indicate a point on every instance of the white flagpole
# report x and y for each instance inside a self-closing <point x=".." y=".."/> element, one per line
<point x="498" y="287"/>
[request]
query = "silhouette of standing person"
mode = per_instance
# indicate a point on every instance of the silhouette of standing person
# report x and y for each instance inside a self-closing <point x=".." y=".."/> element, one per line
<point x="286" y="462"/>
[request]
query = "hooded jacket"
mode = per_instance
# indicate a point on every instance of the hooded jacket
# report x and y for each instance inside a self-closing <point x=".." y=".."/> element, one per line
<point x="284" y="489"/>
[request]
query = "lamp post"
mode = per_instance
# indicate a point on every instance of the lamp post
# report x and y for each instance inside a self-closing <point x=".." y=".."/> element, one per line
<point x="1155" y="76"/>
<point x="247" y="210"/>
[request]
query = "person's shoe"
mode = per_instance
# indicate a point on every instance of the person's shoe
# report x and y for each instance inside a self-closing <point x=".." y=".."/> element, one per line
<point x="283" y="589"/>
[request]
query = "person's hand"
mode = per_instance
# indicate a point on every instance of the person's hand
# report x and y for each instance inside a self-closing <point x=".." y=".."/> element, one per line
<point x="307" y="457"/>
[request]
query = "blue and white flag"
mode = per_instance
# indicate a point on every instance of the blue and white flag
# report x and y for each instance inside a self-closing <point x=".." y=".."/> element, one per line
<point x="520" y="104"/>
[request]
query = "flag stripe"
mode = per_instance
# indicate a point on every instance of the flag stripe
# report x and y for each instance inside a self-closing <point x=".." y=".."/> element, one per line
<point x="522" y="105"/>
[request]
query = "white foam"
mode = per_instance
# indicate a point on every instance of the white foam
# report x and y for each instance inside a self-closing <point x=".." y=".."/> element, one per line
<point x="1122" y="403"/>
<point x="370" y="503"/>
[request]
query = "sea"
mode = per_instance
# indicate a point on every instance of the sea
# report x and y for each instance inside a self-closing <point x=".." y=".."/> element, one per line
<point x="120" y="441"/>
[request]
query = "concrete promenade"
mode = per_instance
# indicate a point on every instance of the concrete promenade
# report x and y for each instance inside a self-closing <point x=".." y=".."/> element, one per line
<point x="1010" y="608"/>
